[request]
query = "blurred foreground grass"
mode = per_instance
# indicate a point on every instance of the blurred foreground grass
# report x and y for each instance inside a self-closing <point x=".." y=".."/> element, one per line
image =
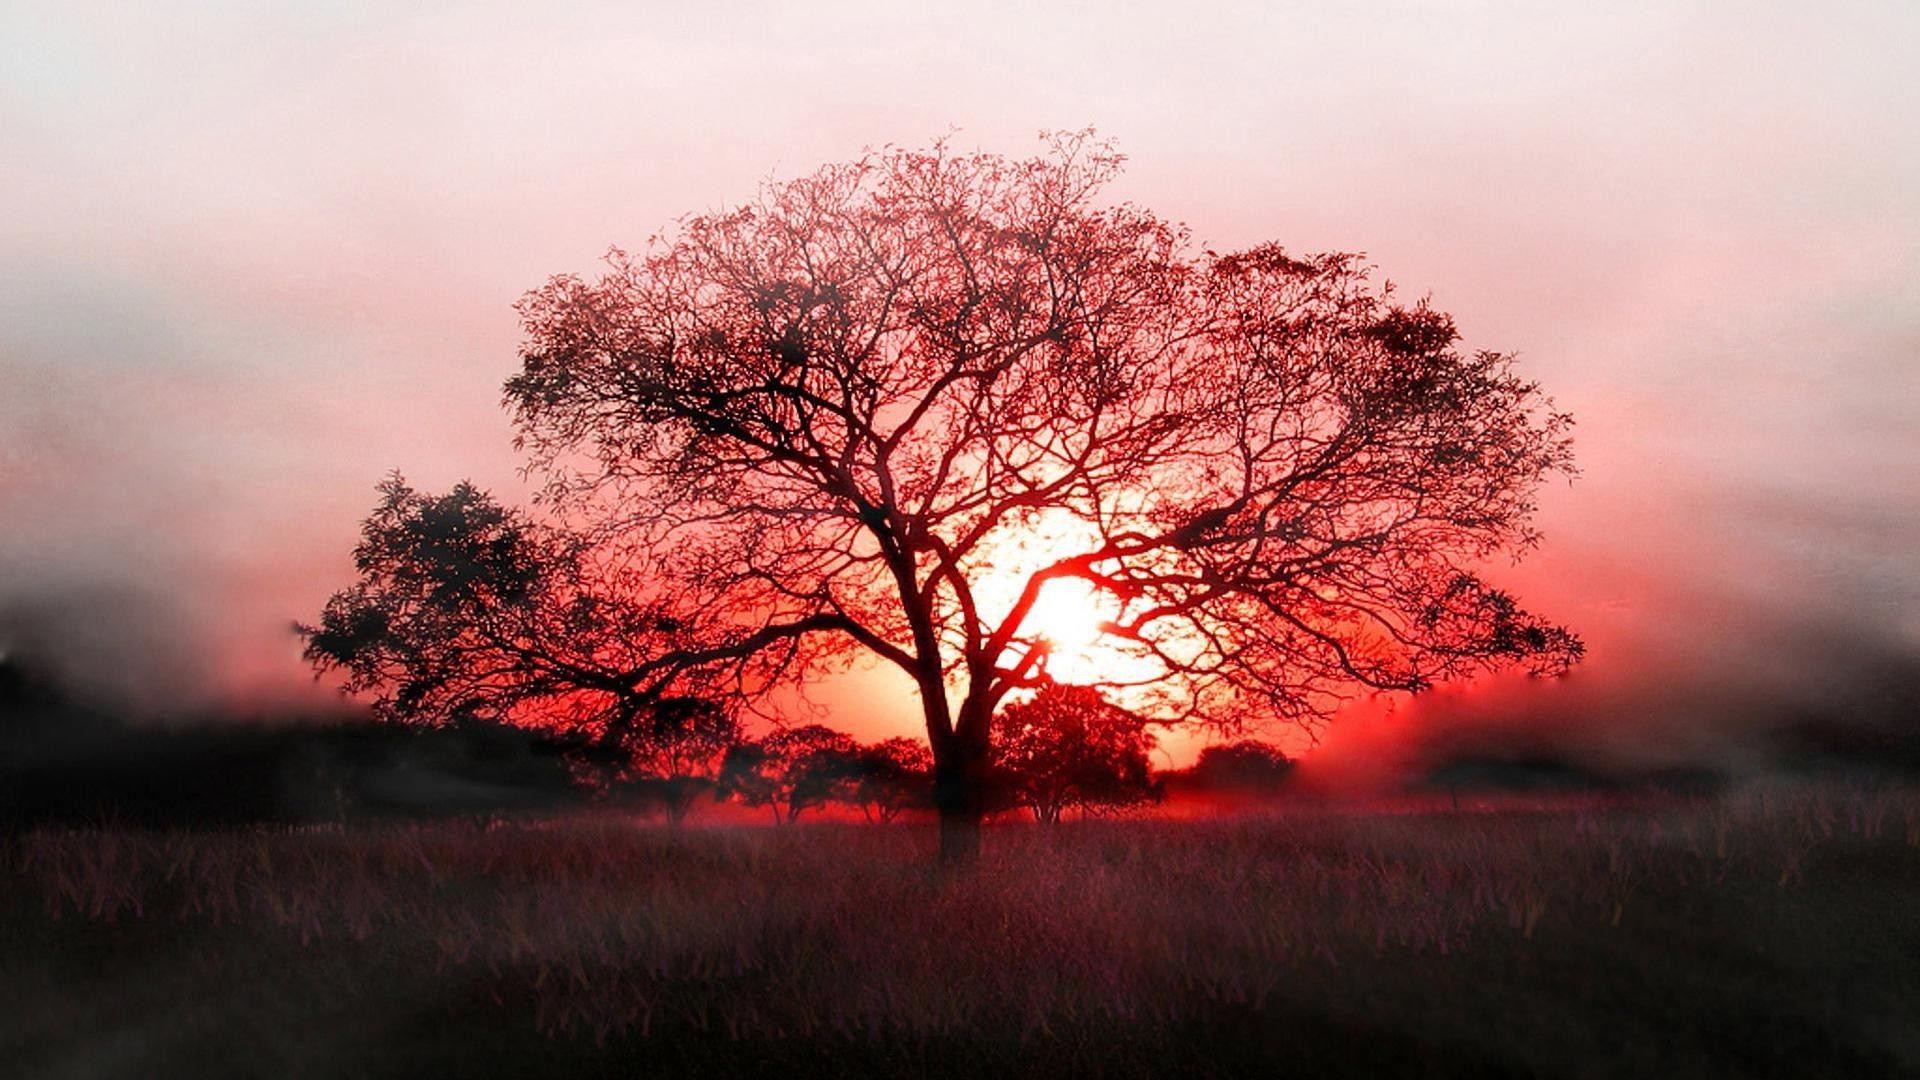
<point x="1771" y="932"/>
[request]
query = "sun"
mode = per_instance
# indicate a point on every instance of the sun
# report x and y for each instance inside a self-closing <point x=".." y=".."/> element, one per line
<point x="1069" y="614"/>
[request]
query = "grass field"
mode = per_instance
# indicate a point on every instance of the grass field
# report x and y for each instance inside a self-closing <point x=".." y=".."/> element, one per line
<point x="1769" y="932"/>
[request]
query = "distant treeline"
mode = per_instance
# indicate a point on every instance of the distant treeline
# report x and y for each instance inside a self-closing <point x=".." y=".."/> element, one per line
<point x="65" y="761"/>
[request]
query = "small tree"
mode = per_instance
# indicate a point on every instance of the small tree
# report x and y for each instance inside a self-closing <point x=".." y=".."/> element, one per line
<point x="750" y="775"/>
<point x="674" y="756"/>
<point x="1247" y="764"/>
<point x="792" y="770"/>
<point x="1070" y="748"/>
<point x="893" y="776"/>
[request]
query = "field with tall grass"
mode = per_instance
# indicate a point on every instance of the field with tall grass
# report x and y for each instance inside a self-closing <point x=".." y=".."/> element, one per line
<point x="1775" y="931"/>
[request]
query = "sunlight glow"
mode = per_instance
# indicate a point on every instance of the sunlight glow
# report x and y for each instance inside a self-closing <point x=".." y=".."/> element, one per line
<point x="1068" y="615"/>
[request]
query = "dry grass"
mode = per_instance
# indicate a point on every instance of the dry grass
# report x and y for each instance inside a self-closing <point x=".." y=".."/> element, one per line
<point x="1511" y="939"/>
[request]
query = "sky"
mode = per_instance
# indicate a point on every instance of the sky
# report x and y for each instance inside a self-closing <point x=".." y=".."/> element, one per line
<point x="254" y="257"/>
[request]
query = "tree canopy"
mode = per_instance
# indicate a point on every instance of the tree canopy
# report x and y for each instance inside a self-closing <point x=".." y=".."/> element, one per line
<point x="892" y="776"/>
<point x="1244" y="763"/>
<point x="1070" y="749"/>
<point x="793" y="770"/>
<point x="466" y="609"/>
<point x="880" y="409"/>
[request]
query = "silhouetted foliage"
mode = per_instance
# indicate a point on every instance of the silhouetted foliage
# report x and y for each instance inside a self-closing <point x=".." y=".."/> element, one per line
<point x="1069" y="748"/>
<point x="819" y="420"/>
<point x="793" y="770"/>
<point x="668" y="753"/>
<point x="678" y="754"/>
<point x="893" y="776"/>
<point x="467" y="610"/>
<point x="1246" y="765"/>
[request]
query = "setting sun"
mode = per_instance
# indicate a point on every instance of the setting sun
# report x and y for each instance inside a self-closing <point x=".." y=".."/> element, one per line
<point x="1068" y="614"/>
<point x="1069" y="611"/>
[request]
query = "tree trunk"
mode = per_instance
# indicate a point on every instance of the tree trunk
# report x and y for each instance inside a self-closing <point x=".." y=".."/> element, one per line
<point x="681" y="793"/>
<point x="959" y="840"/>
<point x="959" y="793"/>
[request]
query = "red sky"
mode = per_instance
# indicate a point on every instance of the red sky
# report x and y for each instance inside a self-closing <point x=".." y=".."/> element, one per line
<point x="254" y="259"/>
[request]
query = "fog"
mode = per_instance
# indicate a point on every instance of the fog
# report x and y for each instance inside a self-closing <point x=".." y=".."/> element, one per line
<point x="253" y="259"/>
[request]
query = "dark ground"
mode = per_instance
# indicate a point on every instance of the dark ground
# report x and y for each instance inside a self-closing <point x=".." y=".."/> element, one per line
<point x="1768" y="936"/>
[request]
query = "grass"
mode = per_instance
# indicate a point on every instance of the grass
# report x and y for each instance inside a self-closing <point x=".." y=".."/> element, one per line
<point x="1765" y="933"/>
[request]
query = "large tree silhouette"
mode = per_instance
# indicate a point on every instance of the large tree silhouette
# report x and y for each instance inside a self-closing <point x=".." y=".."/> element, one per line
<point x="829" y="411"/>
<point x="826" y="420"/>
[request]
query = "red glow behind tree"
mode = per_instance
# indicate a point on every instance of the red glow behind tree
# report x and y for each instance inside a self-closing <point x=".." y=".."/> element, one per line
<point x="817" y="426"/>
<point x="822" y="413"/>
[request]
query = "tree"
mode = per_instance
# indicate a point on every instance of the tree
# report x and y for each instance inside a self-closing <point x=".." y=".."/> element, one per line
<point x="792" y="770"/>
<point x="673" y="754"/>
<point x="1247" y="764"/>
<point x="824" y="420"/>
<point x="1069" y="748"/>
<point x="466" y="610"/>
<point x="892" y="776"/>
<point x="826" y="414"/>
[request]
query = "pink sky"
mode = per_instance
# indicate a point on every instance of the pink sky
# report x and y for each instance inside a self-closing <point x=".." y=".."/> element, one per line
<point x="253" y="259"/>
